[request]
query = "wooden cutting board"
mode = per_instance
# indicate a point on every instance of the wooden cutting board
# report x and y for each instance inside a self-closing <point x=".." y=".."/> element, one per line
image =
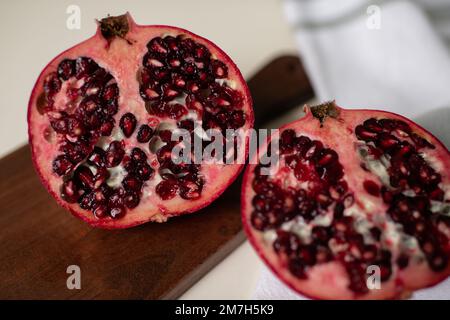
<point x="39" y="240"/>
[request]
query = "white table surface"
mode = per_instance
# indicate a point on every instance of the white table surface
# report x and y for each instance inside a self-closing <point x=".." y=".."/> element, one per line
<point x="33" y="32"/>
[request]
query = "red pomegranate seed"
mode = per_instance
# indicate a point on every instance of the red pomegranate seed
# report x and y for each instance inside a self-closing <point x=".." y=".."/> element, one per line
<point x="372" y="188"/>
<point x="107" y="127"/>
<point x="62" y="165"/>
<point x="110" y="92"/>
<point x="66" y="69"/>
<point x="131" y="183"/>
<point x="128" y="124"/>
<point x="69" y="191"/>
<point x="114" y="154"/>
<point x="101" y="211"/>
<point x="219" y="69"/>
<point x="85" y="176"/>
<point x="117" y="212"/>
<point x="167" y="189"/>
<point x="144" y="134"/>
<point x="131" y="200"/>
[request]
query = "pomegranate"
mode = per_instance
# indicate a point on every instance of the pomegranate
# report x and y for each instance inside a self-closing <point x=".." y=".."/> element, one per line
<point x="356" y="205"/>
<point x="101" y="116"/>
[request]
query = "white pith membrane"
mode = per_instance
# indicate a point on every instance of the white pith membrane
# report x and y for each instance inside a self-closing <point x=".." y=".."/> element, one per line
<point x="330" y="278"/>
<point x="212" y="178"/>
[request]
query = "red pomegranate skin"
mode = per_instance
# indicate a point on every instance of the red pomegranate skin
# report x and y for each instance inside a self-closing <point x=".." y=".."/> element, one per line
<point x="120" y="47"/>
<point x="418" y="262"/>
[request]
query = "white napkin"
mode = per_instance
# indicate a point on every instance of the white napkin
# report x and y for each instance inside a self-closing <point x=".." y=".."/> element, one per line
<point x="404" y="67"/>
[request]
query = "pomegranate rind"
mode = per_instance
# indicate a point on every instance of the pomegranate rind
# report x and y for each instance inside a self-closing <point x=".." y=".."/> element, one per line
<point x="110" y="56"/>
<point x="330" y="280"/>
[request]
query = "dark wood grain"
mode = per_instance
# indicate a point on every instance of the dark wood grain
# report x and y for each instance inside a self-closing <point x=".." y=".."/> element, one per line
<point x="39" y="240"/>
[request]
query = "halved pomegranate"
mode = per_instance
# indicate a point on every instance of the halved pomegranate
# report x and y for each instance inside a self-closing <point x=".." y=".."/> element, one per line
<point x="356" y="196"/>
<point x="101" y="116"/>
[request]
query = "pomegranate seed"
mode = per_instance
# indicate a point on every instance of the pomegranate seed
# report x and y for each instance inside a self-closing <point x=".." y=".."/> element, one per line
<point x="438" y="262"/>
<point x="326" y="157"/>
<point x="111" y="107"/>
<point x="75" y="127"/>
<point x="219" y="69"/>
<point x="157" y="45"/>
<point x="186" y="124"/>
<point x="84" y="176"/>
<point x="190" y="190"/>
<point x="86" y="201"/>
<point x="152" y="60"/>
<point x="297" y="268"/>
<point x="97" y="157"/>
<point x="101" y="211"/>
<point x="131" y="183"/>
<point x="372" y="188"/>
<point x="117" y="212"/>
<point x="321" y="234"/>
<point x="167" y="189"/>
<point x="364" y="134"/>
<point x="110" y="92"/>
<point x="259" y="220"/>
<point x="116" y="198"/>
<point x="372" y="125"/>
<point x="144" y="134"/>
<point x="114" y="154"/>
<point x="402" y="261"/>
<point x="107" y="127"/>
<point x="128" y="124"/>
<point x="52" y="85"/>
<point x="421" y="142"/>
<point x="66" y="69"/>
<point x="84" y="66"/>
<point x="176" y="111"/>
<point x="144" y="172"/>
<point x="172" y="43"/>
<point x="69" y="191"/>
<point x="131" y="200"/>
<point x="178" y="80"/>
<point x="62" y="165"/>
<point x="138" y="155"/>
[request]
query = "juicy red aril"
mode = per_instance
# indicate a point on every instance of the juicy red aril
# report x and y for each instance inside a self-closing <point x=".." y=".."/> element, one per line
<point x="52" y="85"/>
<point x="62" y="165"/>
<point x="110" y="92"/>
<point x="371" y="188"/>
<point x="128" y="124"/>
<point x="97" y="157"/>
<point x="131" y="200"/>
<point x="66" y="69"/>
<point x="84" y="176"/>
<point x="167" y="189"/>
<point x="84" y="66"/>
<point x="69" y="191"/>
<point x="107" y="127"/>
<point x="131" y="183"/>
<point x="114" y="154"/>
<point x="117" y="212"/>
<point x="144" y="171"/>
<point x="190" y="190"/>
<point x="219" y="69"/>
<point x="101" y="211"/>
<point x="144" y="134"/>
<point x="86" y="201"/>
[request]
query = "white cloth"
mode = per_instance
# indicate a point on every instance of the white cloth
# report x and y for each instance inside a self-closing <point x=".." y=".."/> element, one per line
<point x="403" y="67"/>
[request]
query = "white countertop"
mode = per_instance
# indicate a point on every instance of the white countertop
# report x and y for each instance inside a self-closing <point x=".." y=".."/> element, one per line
<point x="33" y="32"/>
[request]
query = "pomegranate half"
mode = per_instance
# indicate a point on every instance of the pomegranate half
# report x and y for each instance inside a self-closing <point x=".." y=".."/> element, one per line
<point x="356" y="205"/>
<point x="101" y="115"/>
